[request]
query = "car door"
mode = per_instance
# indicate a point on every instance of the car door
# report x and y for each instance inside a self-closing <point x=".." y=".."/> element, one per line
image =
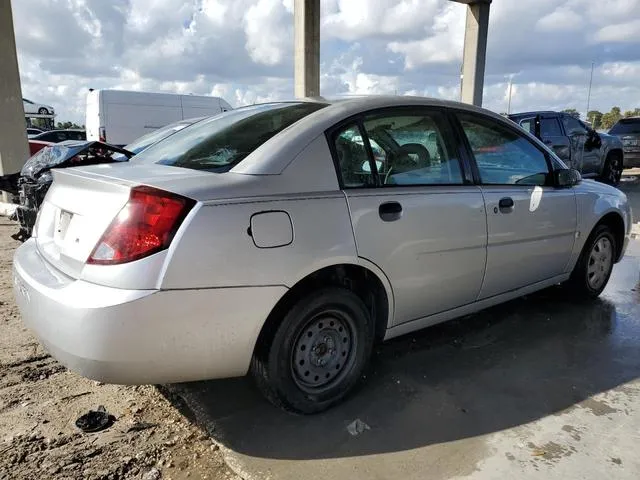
<point x="587" y="158"/>
<point x="531" y="224"/>
<point x="548" y="129"/>
<point x="415" y="211"/>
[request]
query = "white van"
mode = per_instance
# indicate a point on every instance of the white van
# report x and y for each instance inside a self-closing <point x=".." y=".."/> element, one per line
<point x="119" y="117"/>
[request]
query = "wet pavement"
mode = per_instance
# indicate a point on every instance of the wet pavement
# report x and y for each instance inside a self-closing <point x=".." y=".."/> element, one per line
<point x="540" y="387"/>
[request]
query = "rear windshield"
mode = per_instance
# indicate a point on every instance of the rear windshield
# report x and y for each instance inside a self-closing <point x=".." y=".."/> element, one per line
<point x="624" y="127"/>
<point x="152" y="137"/>
<point x="219" y="143"/>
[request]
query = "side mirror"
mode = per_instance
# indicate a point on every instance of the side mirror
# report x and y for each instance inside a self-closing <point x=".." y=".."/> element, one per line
<point x="567" y="177"/>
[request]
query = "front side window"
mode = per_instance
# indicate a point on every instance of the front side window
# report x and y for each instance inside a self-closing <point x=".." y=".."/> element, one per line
<point x="529" y="125"/>
<point x="573" y="126"/>
<point x="412" y="150"/>
<point x="549" y="127"/>
<point x="503" y="156"/>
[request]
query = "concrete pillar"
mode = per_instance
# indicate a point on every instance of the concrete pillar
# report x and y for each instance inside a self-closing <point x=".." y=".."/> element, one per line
<point x="475" y="50"/>
<point x="306" y="15"/>
<point x="14" y="149"/>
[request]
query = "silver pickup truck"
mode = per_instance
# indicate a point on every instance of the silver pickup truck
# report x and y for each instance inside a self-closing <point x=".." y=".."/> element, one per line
<point x="595" y="155"/>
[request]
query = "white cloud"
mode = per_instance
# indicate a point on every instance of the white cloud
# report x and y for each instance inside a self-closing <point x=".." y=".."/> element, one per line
<point x="243" y="49"/>
<point x="268" y="26"/>
<point x="628" y="32"/>
<point x="561" y="19"/>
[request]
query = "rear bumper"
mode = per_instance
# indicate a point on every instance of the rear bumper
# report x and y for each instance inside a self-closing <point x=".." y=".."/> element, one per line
<point x="140" y="336"/>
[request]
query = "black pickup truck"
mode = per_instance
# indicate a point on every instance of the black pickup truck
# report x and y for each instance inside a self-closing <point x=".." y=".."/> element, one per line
<point x="595" y="155"/>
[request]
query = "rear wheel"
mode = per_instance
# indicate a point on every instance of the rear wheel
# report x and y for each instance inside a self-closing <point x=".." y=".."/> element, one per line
<point x="318" y="352"/>
<point x="612" y="171"/>
<point x="594" y="267"/>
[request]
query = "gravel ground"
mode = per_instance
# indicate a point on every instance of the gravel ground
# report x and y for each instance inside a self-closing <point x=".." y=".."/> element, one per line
<point x="40" y="401"/>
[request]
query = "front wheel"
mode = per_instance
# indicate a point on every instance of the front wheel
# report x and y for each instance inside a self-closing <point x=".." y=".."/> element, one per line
<point x="318" y="352"/>
<point x="594" y="267"/>
<point x="43" y="111"/>
<point x="612" y="171"/>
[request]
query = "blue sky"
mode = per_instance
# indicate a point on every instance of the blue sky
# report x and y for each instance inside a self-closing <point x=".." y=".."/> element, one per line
<point x="242" y="50"/>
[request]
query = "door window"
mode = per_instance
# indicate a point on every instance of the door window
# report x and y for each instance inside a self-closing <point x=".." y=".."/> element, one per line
<point x="573" y="126"/>
<point x="503" y="156"/>
<point x="411" y="150"/>
<point x="549" y="127"/>
<point x="529" y="125"/>
<point x="355" y="168"/>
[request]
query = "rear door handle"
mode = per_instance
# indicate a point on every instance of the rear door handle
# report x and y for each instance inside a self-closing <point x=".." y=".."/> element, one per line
<point x="506" y="205"/>
<point x="390" y="211"/>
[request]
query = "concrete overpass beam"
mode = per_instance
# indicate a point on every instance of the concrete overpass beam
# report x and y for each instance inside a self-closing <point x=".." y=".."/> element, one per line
<point x="14" y="149"/>
<point x="307" y="48"/>
<point x="475" y="50"/>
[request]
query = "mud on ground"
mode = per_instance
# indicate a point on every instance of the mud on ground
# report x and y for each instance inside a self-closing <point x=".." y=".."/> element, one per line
<point x="40" y="401"/>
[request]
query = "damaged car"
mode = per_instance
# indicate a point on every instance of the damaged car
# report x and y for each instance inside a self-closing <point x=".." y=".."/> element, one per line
<point x="29" y="186"/>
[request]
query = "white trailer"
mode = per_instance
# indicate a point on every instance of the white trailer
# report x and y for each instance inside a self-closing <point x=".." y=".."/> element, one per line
<point x="119" y="116"/>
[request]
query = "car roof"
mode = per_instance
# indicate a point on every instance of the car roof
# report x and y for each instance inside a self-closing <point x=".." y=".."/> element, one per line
<point x="274" y="155"/>
<point x="533" y="113"/>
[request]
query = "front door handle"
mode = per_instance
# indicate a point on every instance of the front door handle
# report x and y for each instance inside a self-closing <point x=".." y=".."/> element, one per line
<point x="390" y="211"/>
<point x="506" y="205"/>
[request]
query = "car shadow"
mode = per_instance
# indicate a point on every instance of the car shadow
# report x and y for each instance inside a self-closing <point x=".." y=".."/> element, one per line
<point x="506" y="366"/>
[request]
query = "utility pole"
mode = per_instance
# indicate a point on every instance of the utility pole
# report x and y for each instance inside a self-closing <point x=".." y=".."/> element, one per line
<point x="510" y="89"/>
<point x="589" y="94"/>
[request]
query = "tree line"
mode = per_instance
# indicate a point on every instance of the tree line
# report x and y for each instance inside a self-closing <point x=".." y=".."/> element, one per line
<point x="604" y="121"/>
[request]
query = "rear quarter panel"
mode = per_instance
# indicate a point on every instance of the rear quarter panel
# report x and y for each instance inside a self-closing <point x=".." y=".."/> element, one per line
<point x="217" y="248"/>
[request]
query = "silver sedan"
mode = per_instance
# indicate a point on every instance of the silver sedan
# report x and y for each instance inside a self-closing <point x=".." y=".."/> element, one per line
<point x="287" y="238"/>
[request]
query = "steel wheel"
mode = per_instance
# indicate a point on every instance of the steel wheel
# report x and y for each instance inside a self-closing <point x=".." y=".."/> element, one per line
<point x="317" y="353"/>
<point x="324" y="351"/>
<point x="600" y="263"/>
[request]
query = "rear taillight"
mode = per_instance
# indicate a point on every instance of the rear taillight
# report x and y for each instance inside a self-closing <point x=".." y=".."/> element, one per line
<point x="102" y="134"/>
<point x="144" y="226"/>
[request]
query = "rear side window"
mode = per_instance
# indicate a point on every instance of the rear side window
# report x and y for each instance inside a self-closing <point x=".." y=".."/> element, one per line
<point x="355" y="168"/>
<point x="626" y="127"/>
<point x="406" y="149"/>
<point x="221" y="142"/>
<point x="503" y="156"/>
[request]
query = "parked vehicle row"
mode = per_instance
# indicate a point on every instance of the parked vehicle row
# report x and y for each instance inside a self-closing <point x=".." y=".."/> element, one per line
<point x="628" y="131"/>
<point x="593" y="154"/>
<point x="287" y="238"/>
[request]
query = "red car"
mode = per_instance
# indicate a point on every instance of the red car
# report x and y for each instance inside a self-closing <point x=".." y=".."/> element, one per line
<point x="36" y="145"/>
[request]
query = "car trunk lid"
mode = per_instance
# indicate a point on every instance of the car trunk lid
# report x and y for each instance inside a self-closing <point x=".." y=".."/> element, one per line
<point x="83" y="201"/>
<point x="76" y="212"/>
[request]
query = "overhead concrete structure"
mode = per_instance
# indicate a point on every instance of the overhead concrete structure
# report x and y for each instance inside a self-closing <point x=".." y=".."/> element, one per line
<point x="14" y="149"/>
<point x="307" y="49"/>
<point x="306" y="18"/>
<point x="475" y="50"/>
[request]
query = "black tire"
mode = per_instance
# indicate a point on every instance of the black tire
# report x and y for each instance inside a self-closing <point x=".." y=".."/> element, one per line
<point x="581" y="281"/>
<point x="43" y="111"/>
<point x="612" y="171"/>
<point x="278" y="367"/>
